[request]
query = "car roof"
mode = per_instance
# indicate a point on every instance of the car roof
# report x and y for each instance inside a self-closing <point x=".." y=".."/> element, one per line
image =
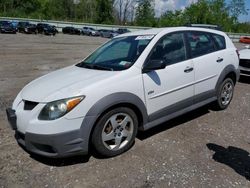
<point x="156" y="31"/>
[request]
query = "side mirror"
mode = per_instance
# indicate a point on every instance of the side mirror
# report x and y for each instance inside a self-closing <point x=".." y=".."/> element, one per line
<point x="154" y="65"/>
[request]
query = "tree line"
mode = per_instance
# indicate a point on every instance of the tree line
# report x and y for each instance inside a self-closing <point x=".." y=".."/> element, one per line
<point x="130" y="12"/>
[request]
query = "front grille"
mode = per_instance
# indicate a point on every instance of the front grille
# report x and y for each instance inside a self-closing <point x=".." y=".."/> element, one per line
<point x="29" y="105"/>
<point x="245" y="63"/>
<point x="245" y="72"/>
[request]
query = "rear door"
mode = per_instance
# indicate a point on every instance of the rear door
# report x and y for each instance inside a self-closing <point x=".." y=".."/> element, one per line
<point x="208" y="62"/>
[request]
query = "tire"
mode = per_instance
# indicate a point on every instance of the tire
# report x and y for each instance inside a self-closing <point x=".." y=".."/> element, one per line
<point x="224" y="94"/>
<point x="111" y="136"/>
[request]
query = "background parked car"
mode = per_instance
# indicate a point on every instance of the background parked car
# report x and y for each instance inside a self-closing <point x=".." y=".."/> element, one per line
<point x="26" y="27"/>
<point x="7" y="27"/>
<point x="245" y="40"/>
<point x="108" y="33"/>
<point x="90" y="31"/>
<point x="122" y="30"/>
<point x="15" y="23"/>
<point x="245" y="61"/>
<point x="71" y="30"/>
<point x="46" y="29"/>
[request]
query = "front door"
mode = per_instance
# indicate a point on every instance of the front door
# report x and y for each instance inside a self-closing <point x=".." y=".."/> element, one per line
<point x="170" y="89"/>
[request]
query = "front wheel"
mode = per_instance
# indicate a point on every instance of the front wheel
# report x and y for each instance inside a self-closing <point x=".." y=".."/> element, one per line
<point x="115" y="132"/>
<point x="224" y="94"/>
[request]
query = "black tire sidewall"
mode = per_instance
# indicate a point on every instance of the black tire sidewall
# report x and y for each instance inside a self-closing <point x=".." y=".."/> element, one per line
<point x="96" y="138"/>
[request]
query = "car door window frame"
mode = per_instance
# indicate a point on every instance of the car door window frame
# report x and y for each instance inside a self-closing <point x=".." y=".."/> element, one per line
<point x="185" y="42"/>
<point x="210" y="38"/>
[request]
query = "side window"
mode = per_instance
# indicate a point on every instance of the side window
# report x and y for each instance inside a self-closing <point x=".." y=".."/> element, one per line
<point x="170" y="48"/>
<point x="200" y="43"/>
<point x="220" y="41"/>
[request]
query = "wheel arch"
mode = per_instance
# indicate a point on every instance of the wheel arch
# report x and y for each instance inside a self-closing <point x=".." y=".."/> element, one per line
<point x="228" y="72"/>
<point x="120" y="99"/>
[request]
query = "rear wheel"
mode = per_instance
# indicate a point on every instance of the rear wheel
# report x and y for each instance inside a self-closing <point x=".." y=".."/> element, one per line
<point x="224" y="94"/>
<point x="115" y="132"/>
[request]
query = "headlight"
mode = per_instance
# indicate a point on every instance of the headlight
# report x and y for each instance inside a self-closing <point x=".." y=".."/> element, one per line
<point x="57" y="109"/>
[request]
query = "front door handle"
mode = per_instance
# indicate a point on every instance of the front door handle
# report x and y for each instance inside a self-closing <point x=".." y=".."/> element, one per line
<point x="219" y="60"/>
<point x="188" y="69"/>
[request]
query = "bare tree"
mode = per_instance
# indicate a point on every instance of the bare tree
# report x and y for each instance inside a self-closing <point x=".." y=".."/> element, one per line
<point x="125" y="9"/>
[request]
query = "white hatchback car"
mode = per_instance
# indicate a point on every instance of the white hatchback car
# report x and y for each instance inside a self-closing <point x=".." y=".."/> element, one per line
<point x="133" y="82"/>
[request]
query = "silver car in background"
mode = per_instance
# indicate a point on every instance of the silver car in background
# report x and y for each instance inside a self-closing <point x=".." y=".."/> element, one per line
<point x="90" y="31"/>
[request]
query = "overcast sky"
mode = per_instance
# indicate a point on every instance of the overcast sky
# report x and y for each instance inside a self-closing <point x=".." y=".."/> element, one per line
<point x="162" y="6"/>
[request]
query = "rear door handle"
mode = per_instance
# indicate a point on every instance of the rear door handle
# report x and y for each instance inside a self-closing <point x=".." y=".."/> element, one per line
<point x="188" y="69"/>
<point x="219" y="60"/>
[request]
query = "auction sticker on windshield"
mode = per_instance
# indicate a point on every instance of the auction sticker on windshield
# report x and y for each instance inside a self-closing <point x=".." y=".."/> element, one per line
<point x="144" y="37"/>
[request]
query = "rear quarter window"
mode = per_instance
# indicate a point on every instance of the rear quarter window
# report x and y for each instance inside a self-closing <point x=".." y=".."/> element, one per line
<point x="220" y="41"/>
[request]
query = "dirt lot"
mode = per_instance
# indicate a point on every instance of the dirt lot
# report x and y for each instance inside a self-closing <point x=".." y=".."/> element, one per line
<point x="200" y="149"/>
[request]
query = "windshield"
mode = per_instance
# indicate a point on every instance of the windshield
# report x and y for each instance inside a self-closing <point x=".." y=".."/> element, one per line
<point x="117" y="54"/>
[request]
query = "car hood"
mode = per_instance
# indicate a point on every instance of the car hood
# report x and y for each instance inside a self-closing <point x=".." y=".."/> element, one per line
<point x="64" y="83"/>
<point x="244" y="54"/>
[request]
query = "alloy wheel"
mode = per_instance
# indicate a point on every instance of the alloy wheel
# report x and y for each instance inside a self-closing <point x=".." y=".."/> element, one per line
<point x="117" y="131"/>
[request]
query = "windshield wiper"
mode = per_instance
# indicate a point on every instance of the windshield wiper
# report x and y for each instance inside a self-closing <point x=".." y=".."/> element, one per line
<point x="99" y="67"/>
<point x="94" y="66"/>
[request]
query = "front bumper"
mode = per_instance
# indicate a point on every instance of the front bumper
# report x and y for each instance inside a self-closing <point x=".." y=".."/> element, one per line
<point x="54" y="145"/>
<point x="11" y="116"/>
<point x="244" y="71"/>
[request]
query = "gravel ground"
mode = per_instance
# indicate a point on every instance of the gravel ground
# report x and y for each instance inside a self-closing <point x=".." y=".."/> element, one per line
<point x="203" y="148"/>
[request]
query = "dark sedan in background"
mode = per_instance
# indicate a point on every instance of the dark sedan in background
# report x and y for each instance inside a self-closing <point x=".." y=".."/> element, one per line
<point x="26" y="27"/>
<point x="71" y="30"/>
<point x="122" y="30"/>
<point x="46" y="29"/>
<point x="7" y="27"/>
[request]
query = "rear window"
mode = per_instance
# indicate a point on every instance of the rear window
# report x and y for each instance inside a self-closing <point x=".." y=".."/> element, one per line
<point x="220" y="41"/>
